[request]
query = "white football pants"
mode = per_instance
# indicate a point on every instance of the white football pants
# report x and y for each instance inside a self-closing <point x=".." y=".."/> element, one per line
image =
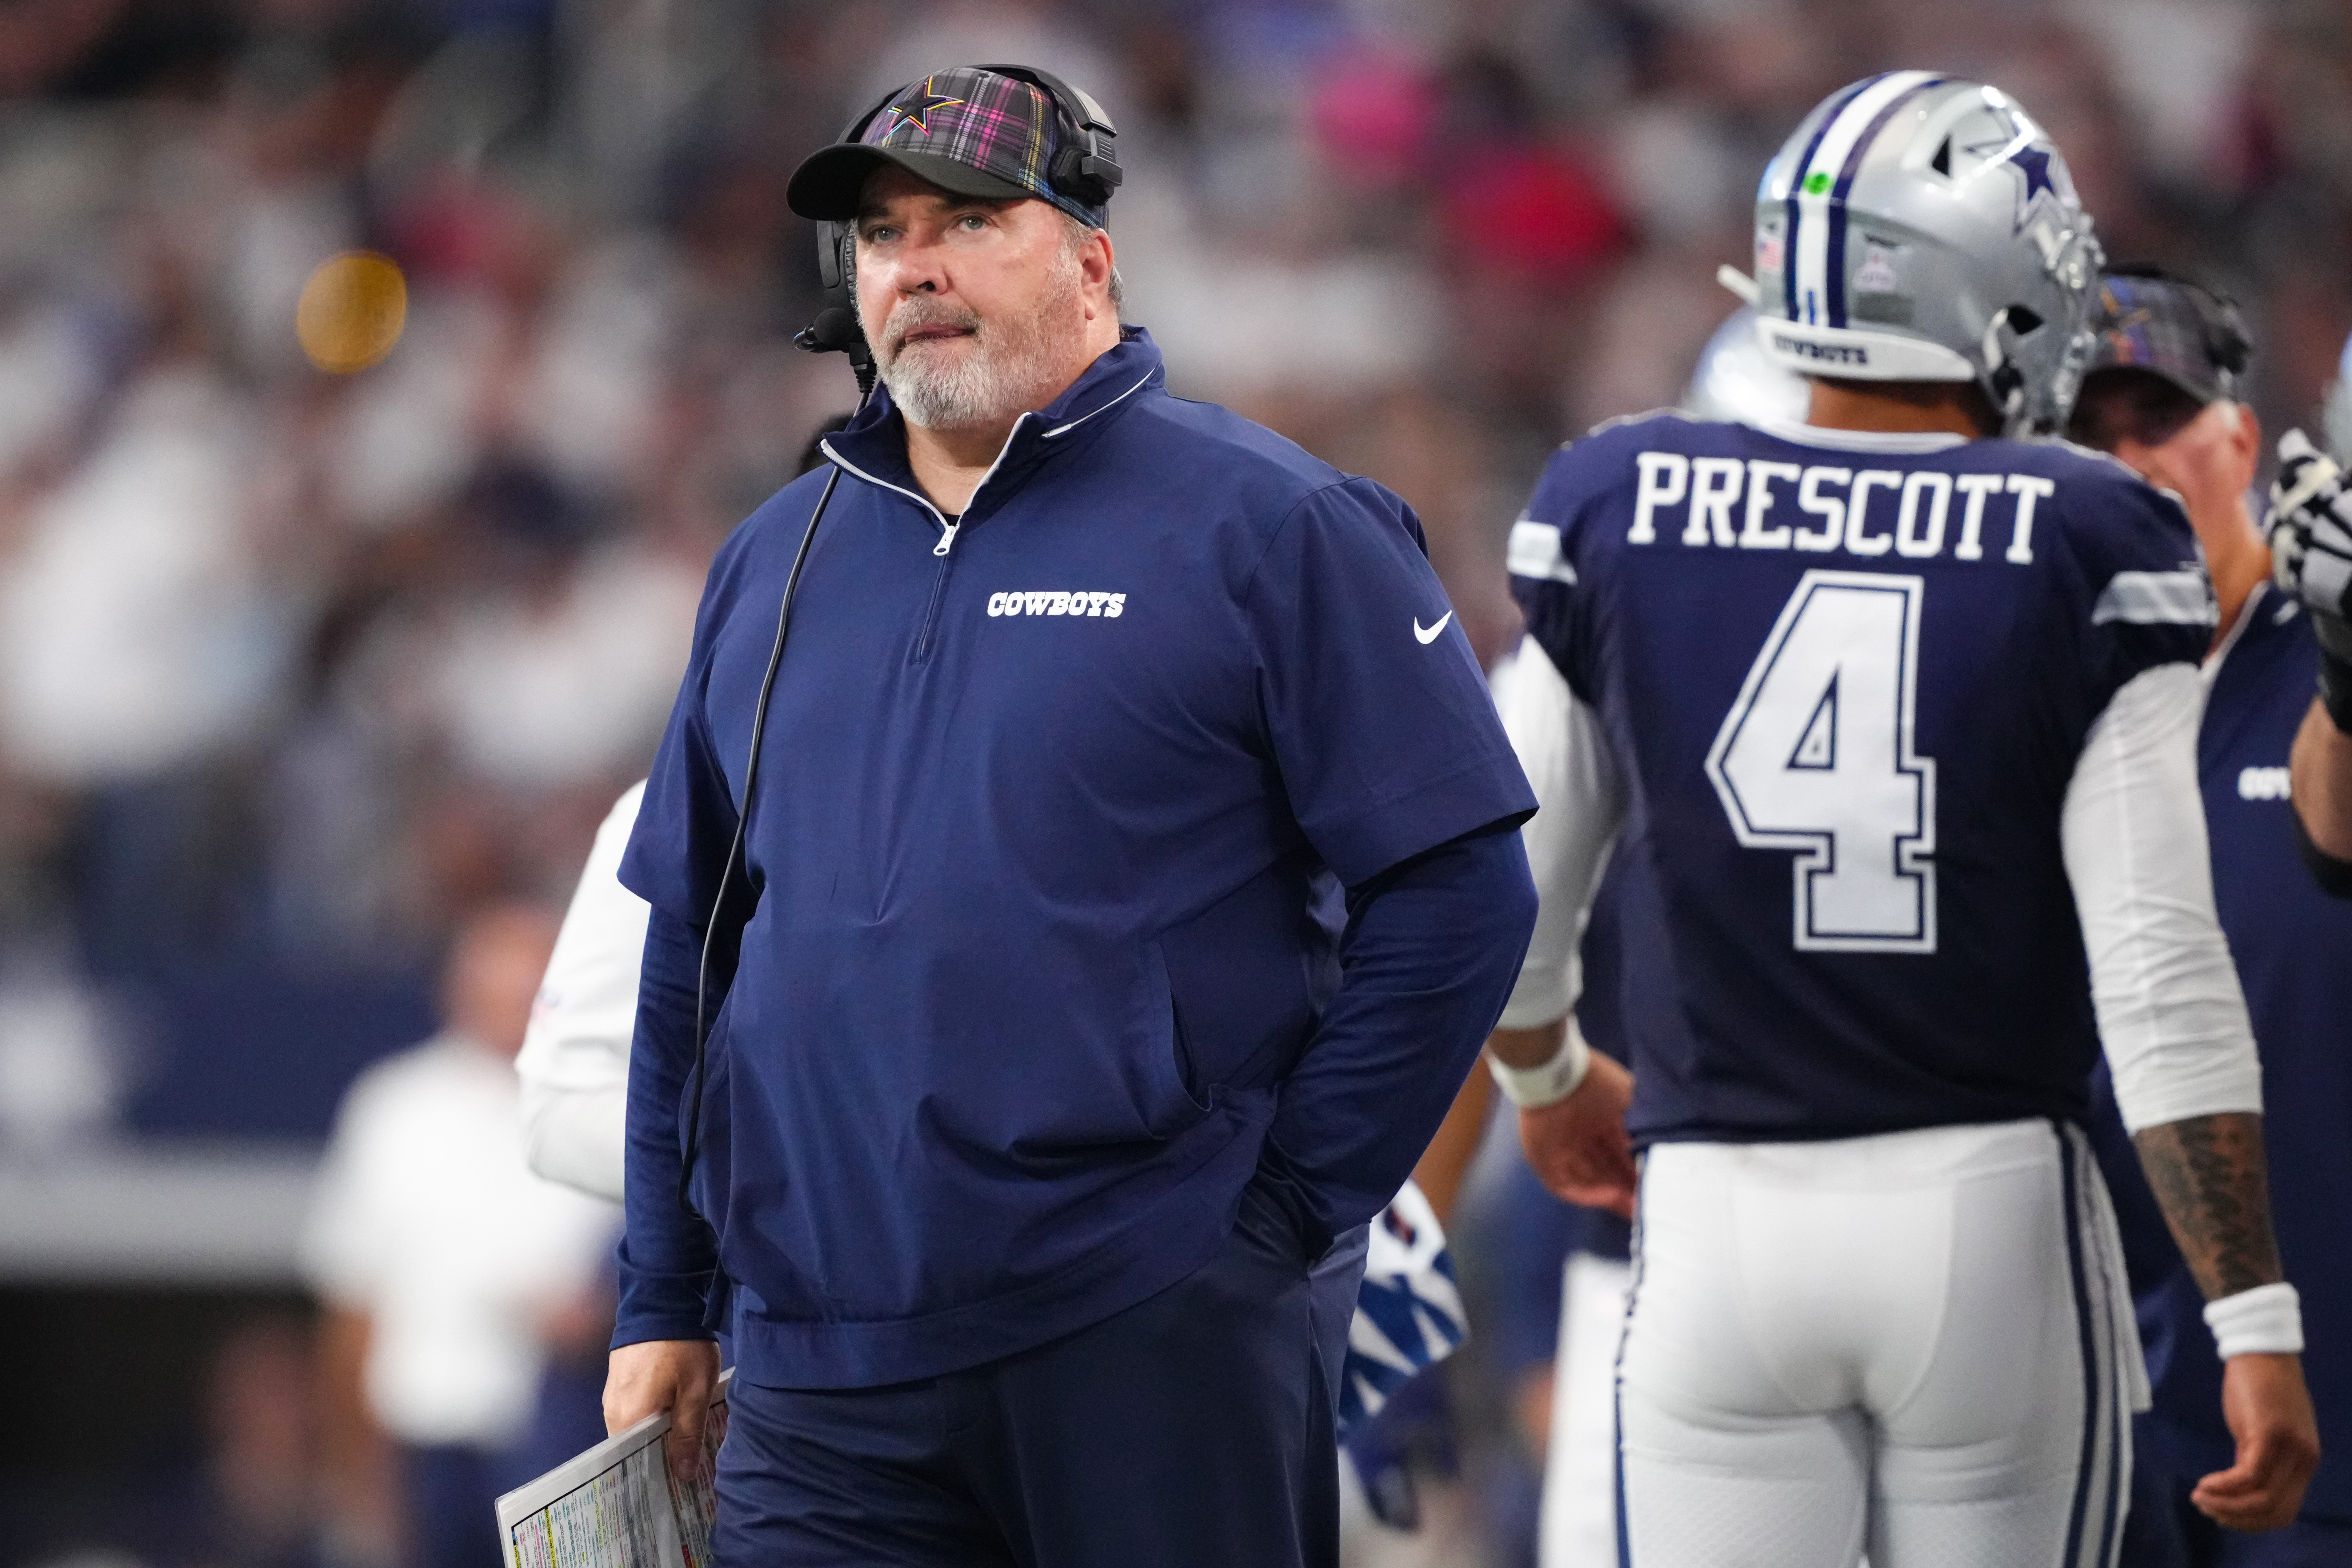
<point x="1918" y="1345"/>
<point x="1578" y="1522"/>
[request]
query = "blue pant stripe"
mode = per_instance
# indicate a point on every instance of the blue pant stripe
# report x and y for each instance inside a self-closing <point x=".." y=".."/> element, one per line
<point x="2113" y="1293"/>
<point x="1617" y="1384"/>
<point x="2071" y="1556"/>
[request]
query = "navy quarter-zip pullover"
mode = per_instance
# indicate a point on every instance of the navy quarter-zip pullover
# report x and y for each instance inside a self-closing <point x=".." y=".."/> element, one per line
<point x="1140" y="833"/>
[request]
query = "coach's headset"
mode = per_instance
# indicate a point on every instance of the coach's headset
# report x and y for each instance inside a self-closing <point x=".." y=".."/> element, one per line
<point x="1084" y="169"/>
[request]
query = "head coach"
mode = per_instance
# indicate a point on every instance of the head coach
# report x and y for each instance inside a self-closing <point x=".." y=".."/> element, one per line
<point x="1127" y="881"/>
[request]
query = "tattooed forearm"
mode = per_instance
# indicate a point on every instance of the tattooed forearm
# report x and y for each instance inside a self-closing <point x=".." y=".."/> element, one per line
<point x="2214" y="1186"/>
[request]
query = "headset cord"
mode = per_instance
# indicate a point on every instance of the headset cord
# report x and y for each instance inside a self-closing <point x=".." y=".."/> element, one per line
<point x="735" y="849"/>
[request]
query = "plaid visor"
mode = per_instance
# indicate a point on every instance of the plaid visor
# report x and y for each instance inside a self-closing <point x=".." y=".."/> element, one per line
<point x="2171" y="327"/>
<point x="968" y="131"/>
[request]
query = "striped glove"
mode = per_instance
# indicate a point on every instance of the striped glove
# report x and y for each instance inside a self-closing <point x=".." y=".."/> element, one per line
<point x="1408" y="1317"/>
<point x="2311" y="557"/>
<point x="1408" y="1309"/>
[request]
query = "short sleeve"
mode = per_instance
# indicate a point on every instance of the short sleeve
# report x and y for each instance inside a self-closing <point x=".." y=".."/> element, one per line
<point x="1375" y="708"/>
<point x="1545" y="579"/>
<point x="2143" y="596"/>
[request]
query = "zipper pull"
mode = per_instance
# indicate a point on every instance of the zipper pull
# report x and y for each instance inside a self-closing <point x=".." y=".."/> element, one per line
<point x="947" y="537"/>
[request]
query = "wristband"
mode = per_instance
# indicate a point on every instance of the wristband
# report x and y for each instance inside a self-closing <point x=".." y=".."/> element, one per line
<point x="2264" y="1321"/>
<point x="1532" y="1088"/>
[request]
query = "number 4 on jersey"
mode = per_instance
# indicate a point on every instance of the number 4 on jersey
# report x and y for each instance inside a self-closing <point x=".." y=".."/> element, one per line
<point x="1816" y="757"/>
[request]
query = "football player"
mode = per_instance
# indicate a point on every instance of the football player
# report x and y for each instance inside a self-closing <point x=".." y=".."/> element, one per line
<point x="1733" y="380"/>
<point x="1890" y="718"/>
<point x="2161" y="395"/>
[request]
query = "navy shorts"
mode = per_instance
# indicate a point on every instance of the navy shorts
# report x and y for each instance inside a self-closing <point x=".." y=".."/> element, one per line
<point x="1194" y="1427"/>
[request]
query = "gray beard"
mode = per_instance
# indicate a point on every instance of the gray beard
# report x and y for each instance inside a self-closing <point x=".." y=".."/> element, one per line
<point x="1009" y="368"/>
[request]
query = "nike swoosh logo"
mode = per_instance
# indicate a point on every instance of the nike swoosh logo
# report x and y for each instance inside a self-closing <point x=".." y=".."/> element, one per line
<point x="1429" y="636"/>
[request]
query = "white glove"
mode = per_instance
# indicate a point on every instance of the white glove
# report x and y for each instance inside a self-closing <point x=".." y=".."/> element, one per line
<point x="2311" y="557"/>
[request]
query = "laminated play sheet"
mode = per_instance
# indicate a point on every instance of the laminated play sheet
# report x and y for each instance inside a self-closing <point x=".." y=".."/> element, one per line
<point x="616" y="1505"/>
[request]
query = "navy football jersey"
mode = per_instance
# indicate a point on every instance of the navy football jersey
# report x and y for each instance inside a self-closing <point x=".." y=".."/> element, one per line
<point x="1846" y="678"/>
<point x="2287" y="937"/>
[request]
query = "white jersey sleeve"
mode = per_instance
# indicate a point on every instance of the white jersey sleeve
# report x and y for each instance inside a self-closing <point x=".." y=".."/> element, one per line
<point x="2171" y="1016"/>
<point x="1579" y="803"/>
<point x="575" y="1063"/>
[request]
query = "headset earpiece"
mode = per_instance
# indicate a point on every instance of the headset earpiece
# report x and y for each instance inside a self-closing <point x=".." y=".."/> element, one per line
<point x="836" y="329"/>
<point x="836" y="262"/>
<point x="1087" y="177"/>
<point x="1086" y="168"/>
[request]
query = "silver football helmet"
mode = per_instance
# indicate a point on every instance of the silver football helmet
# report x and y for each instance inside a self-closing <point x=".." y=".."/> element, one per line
<point x="1735" y="381"/>
<point x="1920" y="227"/>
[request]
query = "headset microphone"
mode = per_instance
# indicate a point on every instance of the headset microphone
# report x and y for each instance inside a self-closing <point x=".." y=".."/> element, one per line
<point x="835" y="331"/>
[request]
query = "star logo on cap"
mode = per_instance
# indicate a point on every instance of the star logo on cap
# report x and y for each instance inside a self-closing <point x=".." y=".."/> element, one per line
<point x="913" y="112"/>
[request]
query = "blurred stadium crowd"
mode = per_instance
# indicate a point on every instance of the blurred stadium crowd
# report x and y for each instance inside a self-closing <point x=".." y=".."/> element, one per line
<point x="297" y="670"/>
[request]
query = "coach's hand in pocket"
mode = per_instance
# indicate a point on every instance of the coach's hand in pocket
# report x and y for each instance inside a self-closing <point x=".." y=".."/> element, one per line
<point x="1578" y="1145"/>
<point x="674" y="1374"/>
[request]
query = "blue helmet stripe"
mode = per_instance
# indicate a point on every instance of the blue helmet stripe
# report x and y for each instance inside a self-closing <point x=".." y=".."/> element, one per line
<point x="1836" y="270"/>
<point x="1797" y="184"/>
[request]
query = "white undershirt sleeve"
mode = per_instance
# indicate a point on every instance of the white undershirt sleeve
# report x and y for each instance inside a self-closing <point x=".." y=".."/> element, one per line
<point x="1579" y="803"/>
<point x="2171" y="1016"/>
<point x="575" y="1063"/>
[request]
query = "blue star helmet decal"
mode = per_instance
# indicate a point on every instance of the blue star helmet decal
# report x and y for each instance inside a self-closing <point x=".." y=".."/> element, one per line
<point x="2033" y="164"/>
<point x="912" y="111"/>
<point x="2035" y="161"/>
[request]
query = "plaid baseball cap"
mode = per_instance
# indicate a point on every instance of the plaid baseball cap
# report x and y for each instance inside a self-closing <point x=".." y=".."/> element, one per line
<point x="975" y="132"/>
<point x="2146" y="318"/>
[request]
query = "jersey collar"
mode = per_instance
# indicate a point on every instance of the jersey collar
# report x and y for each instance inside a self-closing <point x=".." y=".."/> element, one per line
<point x="873" y="446"/>
<point x="1891" y="441"/>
